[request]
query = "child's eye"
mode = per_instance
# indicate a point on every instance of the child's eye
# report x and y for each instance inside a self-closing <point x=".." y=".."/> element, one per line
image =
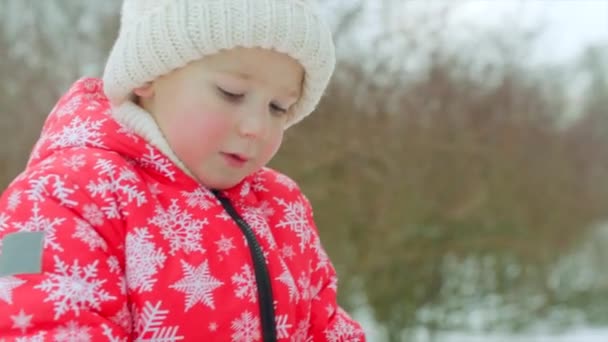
<point x="276" y="109"/>
<point x="229" y="95"/>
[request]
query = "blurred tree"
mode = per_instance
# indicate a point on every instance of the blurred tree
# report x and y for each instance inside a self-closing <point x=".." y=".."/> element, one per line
<point x="418" y="174"/>
<point x="48" y="45"/>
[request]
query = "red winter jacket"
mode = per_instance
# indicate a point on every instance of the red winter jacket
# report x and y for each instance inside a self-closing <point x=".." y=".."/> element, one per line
<point x="103" y="238"/>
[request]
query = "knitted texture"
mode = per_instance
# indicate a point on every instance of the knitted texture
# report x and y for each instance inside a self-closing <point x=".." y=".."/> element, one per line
<point x="158" y="36"/>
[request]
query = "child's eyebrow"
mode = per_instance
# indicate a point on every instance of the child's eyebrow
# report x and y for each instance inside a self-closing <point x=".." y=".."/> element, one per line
<point x="239" y="74"/>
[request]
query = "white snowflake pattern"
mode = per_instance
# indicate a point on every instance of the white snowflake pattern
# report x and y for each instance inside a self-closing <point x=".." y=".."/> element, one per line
<point x="144" y="260"/>
<point x="322" y="258"/>
<point x="107" y="332"/>
<point x="14" y="199"/>
<point x="213" y="326"/>
<point x="179" y="228"/>
<point x="265" y="209"/>
<point x="198" y="285"/>
<point x="158" y="162"/>
<point x="39" y="337"/>
<point x="93" y="105"/>
<point x="282" y="325"/>
<point x="258" y="183"/>
<point x="307" y="290"/>
<point x="342" y="330"/>
<point x="4" y="221"/>
<point x="259" y="187"/>
<point x="69" y="107"/>
<point x="266" y="253"/>
<point x="91" y="85"/>
<point x="7" y="285"/>
<point x="115" y="181"/>
<point x="333" y="283"/>
<point x="128" y="132"/>
<point x="330" y="309"/>
<point x="287" y="279"/>
<point x="224" y="245"/>
<point x="79" y="133"/>
<point x="93" y="214"/>
<point x="112" y="210"/>
<point x="149" y="325"/>
<point x="256" y="218"/>
<point x="43" y="167"/>
<point x="245" y="284"/>
<point x="39" y="190"/>
<point x="39" y="223"/>
<point x="301" y="333"/>
<point x="74" y="288"/>
<point x="87" y="234"/>
<point x="122" y="285"/>
<point x="200" y="197"/>
<point x="296" y="220"/>
<point x="114" y="264"/>
<point x="245" y="189"/>
<point x="123" y="319"/>
<point x="287" y="252"/>
<point x="22" y="321"/>
<point x="72" y="332"/>
<point x="223" y="216"/>
<point x="246" y="328"/>
<point x="286" y="181"/>
<point x="75" y="162"/>
<point x="154" y="188"/>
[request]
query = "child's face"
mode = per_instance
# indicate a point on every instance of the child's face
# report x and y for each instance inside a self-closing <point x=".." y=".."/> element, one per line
<point x="224" y="115"/>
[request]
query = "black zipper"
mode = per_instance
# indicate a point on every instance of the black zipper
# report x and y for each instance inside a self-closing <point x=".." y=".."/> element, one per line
<point x="262" y="277"/>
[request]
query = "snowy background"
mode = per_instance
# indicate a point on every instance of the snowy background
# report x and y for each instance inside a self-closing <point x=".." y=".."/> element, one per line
<point x="424" y="251"/>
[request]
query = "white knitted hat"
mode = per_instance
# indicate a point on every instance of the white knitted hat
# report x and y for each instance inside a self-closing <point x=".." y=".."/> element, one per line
<point x="158" y="36"/>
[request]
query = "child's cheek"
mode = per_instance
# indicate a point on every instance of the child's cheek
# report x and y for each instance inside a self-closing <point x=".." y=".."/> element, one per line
<point x="277" y="144"/>
<point x="205" y="128"/>
<point x="198" y="136"/>
<point x="214" y="123"/>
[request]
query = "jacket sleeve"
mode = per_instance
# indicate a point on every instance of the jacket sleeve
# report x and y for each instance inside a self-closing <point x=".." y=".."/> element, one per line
<point x="328" y="321"/>
<point x="61" y="273"/>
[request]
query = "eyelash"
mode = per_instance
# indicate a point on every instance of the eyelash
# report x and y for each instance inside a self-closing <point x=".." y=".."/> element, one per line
<point x="232" y="97"/>
<point x="229" y="95"/>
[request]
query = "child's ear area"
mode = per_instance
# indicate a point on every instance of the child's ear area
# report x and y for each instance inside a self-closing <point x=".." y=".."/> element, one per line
<point x="146" y="91"/>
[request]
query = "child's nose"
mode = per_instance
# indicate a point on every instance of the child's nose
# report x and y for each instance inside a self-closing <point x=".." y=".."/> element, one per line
<point x="253" y="123"/>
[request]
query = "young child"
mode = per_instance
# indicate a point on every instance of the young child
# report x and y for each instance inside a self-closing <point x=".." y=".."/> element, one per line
<point x="146" y="211"/>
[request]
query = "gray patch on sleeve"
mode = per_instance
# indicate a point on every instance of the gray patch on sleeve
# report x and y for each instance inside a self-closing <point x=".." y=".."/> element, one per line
<point x="21" y="253"/>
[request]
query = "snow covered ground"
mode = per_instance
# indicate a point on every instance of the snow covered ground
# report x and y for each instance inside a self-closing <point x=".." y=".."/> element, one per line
<point x="375" y="333"/>
<point x="576" y="335"/>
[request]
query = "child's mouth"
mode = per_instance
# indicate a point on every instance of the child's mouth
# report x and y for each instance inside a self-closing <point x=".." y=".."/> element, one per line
<point x="235" y="159"/>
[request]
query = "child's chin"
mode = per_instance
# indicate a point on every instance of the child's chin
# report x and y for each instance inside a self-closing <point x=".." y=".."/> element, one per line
<point x="219" y="183"/>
